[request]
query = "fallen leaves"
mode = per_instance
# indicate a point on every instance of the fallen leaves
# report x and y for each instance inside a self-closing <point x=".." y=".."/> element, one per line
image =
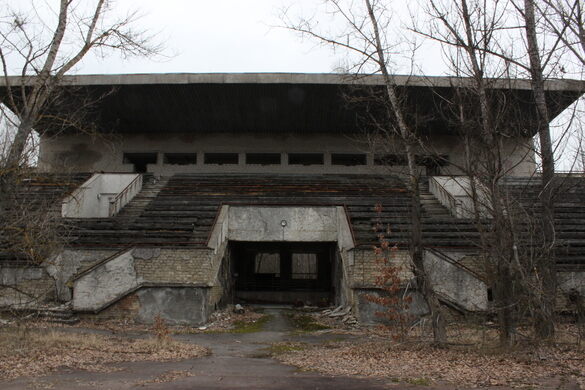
<point x="450" y="365"/>
<point x="32" y="352"/>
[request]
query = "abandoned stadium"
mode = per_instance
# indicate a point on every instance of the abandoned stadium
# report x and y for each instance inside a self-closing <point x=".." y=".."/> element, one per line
<point x="209" y="189"/>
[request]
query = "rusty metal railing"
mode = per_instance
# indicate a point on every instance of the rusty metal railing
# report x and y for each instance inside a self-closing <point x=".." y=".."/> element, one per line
<point x="125" y="195"/>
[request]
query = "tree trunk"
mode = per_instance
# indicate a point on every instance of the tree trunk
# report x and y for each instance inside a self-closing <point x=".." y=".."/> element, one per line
<point x="416" y="245"/>
<point x="544" y="316"/>
<point x="17" y="149"/>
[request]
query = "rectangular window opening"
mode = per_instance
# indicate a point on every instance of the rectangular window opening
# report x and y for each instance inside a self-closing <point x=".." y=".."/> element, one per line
<point x="263" y="158"/>
<point x="348" y="159"/>
<point x="304" y="266"/>
<point x="305" y="159"/>
<point x="221" y="158"/>
<point x="139" y="160"/>
<point x="180" y="158"/>
<point x="267" y="263"/>
<point x="390" y="159"/>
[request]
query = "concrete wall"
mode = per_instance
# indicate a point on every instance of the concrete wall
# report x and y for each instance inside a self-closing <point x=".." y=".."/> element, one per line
<point x="452" y="282"/>
<point x="318" y="224"/>
<point x="176" y="305"/>
<point x="86" y="154"/>
<point x="117" y="276"/>
<point x="368" y="312"/>
<point x="31" y="284"/>
<point x="455" y="283"/>
<point x="106" y="283"/>
<point x="68" y="263"/>
<point x="92" y="199"/>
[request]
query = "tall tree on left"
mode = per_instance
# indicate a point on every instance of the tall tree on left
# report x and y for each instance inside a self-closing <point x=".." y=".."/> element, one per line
<point x="40" y="55"/>
<point x="41" y="41"/>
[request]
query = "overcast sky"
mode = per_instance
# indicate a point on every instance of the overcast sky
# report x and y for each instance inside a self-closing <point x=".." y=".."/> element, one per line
<point x="218" y="36"/>
<point x="225" y="36"/>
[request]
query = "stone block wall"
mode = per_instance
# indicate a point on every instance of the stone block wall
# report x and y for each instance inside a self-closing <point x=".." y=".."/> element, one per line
<point x="180" y="284"/>
<point x="365" y="268"/>
<point x="187" y="266"/>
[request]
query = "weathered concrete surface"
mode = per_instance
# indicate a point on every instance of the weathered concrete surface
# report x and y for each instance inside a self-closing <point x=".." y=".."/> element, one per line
<point x="58" y="153"/>
<point x="176" y="305"/>
<point x="366" y="309"/>
<point x="318" y="224"/>
<point x="293" y="78"/>
<point x="105" y="283"/>
<point x="572" y="281"/>
<point x="456" y="283"/>
<point x="31" y="281"/>
<point x="68" y="263"/>
<point x="13" y="276"/>
<point x="92" y="198"/>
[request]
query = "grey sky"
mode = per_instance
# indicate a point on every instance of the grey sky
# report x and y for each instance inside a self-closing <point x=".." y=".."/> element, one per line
<point x="228" y="36"/>
<point x="218" y="36"/>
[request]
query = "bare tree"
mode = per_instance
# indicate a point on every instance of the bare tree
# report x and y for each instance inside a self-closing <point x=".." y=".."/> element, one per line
<point x="565" y="20"/>
<point x="368" y="37"/>
<point x="487" y="35"/>
<point x="468" y="30"/>
<point x="544" y="319"/>
<point x="48" y="56"/>
<point x="37" y="49"/>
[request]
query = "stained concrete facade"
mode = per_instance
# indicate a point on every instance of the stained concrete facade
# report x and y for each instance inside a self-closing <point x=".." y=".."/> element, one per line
<point x="88" y="154"/>
<point x="249" y="113"/>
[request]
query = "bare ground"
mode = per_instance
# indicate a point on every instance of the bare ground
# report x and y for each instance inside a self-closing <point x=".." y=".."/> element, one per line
<point x="261" y="350"/>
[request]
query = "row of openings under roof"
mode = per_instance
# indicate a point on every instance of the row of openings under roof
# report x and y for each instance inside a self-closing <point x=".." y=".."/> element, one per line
<point x="142" y="160"/>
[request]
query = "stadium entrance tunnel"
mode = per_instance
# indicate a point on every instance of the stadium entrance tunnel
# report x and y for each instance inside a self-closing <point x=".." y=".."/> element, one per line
<point x="284" y="272"/>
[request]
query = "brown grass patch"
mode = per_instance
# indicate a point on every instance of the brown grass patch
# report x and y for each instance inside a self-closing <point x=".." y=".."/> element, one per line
<point x="471" y="360"/>
<point x="31" y="352"/>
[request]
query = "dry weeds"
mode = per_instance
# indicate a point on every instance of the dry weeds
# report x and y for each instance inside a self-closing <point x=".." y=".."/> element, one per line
<point x="32" y="352"/>
<point x="456" y="365"/>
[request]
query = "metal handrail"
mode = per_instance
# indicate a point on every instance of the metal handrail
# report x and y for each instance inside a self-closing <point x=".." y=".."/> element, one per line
<point x="456" y="263"/>
<point x="122" y="197"/>
<point x="454" y="203"/>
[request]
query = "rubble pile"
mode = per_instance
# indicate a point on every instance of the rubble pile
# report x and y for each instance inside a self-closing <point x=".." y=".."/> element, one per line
<point x="341" y="314"/>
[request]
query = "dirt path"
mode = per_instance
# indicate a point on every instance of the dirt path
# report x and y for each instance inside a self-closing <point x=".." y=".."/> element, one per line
<point x="238" y="361"/>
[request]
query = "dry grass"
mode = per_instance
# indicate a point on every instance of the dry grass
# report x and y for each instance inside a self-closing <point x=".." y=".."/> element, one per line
<point x="454" y="366"/>
<point x="31" y="352"/>
<point x="473" y="359"/>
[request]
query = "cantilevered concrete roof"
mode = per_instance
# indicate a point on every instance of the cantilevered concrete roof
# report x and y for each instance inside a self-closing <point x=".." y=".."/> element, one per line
<point x="272" y="102"/>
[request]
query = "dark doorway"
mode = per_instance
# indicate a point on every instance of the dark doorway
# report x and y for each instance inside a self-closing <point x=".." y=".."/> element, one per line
<point x="283" y="272"/>
<point x="140" y="160"/>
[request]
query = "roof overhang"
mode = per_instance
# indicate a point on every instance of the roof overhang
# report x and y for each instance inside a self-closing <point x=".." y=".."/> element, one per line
<point x="268" y="102"/>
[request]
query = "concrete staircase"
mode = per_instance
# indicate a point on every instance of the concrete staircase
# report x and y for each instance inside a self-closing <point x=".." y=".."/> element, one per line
<point x="431" y="206"/>
<point x="59" y="316"/>
<point x="151" y="187"/>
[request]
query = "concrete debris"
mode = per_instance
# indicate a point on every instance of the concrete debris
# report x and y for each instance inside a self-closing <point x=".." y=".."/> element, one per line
<point x="239" y="309"/>
<point x="342" y="314"/>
